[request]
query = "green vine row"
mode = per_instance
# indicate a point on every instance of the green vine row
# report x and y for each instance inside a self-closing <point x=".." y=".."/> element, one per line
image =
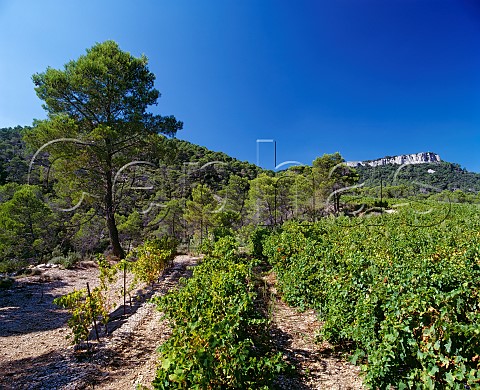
<point x="405" y="296"/>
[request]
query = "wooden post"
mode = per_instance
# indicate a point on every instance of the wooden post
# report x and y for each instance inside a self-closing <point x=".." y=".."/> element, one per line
<point x="94" y="320"/>
<point x="124" y="285"/>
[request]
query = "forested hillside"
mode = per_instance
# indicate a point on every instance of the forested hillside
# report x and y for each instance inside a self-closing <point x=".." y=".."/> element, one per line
<point x="442" y="175"/>
<point x="154" y="197"/>
<point x="13" y="157"/>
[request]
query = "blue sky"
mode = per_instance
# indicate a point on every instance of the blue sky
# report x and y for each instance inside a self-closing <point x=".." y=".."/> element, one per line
<point x="367" y="78"/>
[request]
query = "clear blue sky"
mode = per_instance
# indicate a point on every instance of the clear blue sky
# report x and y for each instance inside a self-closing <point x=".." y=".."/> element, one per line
<point x="367" y="78"/>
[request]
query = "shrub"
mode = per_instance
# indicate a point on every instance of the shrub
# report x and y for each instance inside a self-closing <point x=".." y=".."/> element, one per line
<point x="67" y="261"/>
<point x="12" y="265"/>
<point x="221" y="232"/>
<point x="84" y="309"/>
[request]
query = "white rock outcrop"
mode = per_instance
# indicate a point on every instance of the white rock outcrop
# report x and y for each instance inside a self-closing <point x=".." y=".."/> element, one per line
<point x="415" y="158"/>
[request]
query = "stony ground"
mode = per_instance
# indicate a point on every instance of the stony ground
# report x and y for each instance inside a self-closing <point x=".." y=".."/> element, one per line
<point x="294" y="333"/>
<point x="32" y="329"/>
<point x="34" y="353"/>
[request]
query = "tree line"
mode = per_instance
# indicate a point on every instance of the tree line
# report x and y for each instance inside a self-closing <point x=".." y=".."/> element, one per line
<point x="179" y="189"/>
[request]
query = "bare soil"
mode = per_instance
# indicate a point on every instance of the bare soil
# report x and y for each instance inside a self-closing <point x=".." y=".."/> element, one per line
<point x="33" y="329"/>
<point x="317" y="365"/>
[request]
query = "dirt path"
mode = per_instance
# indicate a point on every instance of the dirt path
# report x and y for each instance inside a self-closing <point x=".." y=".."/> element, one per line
<point x="293" y="333"/>
<point x="35" y="355"/>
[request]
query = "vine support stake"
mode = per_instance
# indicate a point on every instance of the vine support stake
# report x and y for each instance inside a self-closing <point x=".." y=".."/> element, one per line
<point x="124" y="286"/>
<point x="94" y="320"/>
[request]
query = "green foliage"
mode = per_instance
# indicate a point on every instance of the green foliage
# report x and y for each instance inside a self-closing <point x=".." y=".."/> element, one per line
<point x="256" y="240"/>
<point x="83" y="309"/>
<point x="331" y="175"/>
<point x="261" y="200"/>
<point x="152" y="258"/>
<point x="405" y="296"/>
<point x="178" y="167"/>
<point x="13" y="156"/>
<point x="108" y="274"/>
<point x="151" y="200"/>
<point x="217" y="333"/>
<point x="168" y="243"/>
<point x="441" y="176"/>
<point x="66" y="261"/>
<point x="302" y="193"/>
<point x="219" y="232"/>
<point x="200" y="210"/>
<point x="131" y="228"/>
<point x="214" y="177"/>
<point x="107" y="271"/>
<point x="26" y="225"/>
<point x="87" y="231"/>
<point x="225" y="248"/>
<point x="11" y="265"/>
<point x="235" y="195"/>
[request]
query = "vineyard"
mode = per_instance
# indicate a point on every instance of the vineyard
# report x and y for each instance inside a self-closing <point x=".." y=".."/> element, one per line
<point x="87" y="307"/>
<point x="396" y="294"/>
<point x="402" y="291"/>
<point x="219" y="338"/>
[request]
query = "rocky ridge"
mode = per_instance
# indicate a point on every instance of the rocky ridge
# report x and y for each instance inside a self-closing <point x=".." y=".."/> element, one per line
<point x="415" y="158"/>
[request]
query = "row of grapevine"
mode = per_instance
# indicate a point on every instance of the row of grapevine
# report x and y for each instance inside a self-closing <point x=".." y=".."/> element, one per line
<point x="218" y="337"/>
<point x="146" y="263"/>
<point x="403" y="292"/>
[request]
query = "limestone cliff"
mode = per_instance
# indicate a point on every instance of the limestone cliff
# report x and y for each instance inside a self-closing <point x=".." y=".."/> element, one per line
<point x="415" y="158"/>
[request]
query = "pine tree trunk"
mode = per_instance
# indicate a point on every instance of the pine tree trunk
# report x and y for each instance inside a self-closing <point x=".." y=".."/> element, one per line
<point x="113" y="233"/>
<point x="110" y="217"/>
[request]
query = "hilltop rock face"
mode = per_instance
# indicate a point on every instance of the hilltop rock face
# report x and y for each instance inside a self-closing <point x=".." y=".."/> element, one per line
<point x="415" y="158"/>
